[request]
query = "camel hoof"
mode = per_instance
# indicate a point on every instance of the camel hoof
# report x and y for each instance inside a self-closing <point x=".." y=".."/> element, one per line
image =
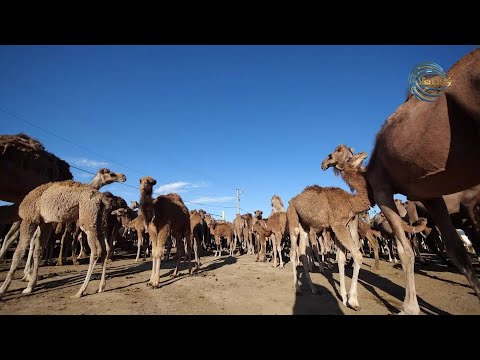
<point x="76" y="296"/>
<point x="144" y="259"/>
<point x="76" y="262"/>
<point x="27" y="290"/>
<point x="355" y="306"/>
<point x="59" y="263"/>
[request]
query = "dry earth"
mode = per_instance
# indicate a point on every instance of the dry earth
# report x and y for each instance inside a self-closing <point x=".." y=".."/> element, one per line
<point x="236" y="285"/>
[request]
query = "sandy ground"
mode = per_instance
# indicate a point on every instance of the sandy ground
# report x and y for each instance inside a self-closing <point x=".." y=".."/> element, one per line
<point x="236" y="285"/>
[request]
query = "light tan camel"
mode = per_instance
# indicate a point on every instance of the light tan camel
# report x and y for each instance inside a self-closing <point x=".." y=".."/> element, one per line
<point x="104" y="177"/>
<point x="63" y="202"/>
<point x="426" y="150"/>
<point x="277" y="205"/>
<point x="165" y="215"/>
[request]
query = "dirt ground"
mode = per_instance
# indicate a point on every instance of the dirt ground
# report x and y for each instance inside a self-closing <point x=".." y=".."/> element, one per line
<point x="236" y="285"/>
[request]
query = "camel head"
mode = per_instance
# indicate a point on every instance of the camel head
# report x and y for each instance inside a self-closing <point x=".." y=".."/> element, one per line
<point x="134" y="205"/>
<point x="120" y="212"/>
<point x="276" y="202"/>
<point x="146" y="185"/>
<point x="105" y="176"/>
<point x="338" y="158"/>
<point x="258" y="214"/>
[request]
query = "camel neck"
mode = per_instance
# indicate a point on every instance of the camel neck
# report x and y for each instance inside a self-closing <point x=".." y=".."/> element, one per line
<point x="356" y="180"/>
<point x="146" y="206"/>
<point x="96" y="182"/>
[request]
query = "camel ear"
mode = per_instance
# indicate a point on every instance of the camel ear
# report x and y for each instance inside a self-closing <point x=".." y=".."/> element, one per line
<point x="351" y="149"/>
<point x="103" y="171"/>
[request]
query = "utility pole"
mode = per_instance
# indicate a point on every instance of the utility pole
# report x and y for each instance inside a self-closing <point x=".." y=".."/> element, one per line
<point x="238" y="200"/>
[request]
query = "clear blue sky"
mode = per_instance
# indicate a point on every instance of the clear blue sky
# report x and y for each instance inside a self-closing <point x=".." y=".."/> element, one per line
<point x="204" y="120"/>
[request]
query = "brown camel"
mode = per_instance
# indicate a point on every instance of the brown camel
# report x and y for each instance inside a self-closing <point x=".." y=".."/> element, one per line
<point x="261" y="233"/>
<point x="62" y="202"/>
<point x="277" y="223"/>
<point x="24" y="165"/>
<point x="219" y="231"/>
<point x="247" y="233"/>
<point x="197" y="226"/>
<point x="336" y="209"/>
<point x="239" y="226"/>
<point x="426" y="150"/>
<point x="165" y="215"/>
<point x="365" y="231"/>
<point x="333" y="208"/>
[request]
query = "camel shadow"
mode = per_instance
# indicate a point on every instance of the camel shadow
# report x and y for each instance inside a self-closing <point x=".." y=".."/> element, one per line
<point x="321" y="303"/>
<point x="370" y="279"/>
<point x="217" y="263"/>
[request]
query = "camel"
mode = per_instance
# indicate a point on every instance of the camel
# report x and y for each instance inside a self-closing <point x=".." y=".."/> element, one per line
<point x="365" y="231"/>
<point x="247" y="233"/>
<point x="239" y="226"/>
<point x="197" y="226"/>
<point x="62" y="202"/>
<point x="24" y="165"/>
<point x="103" y="177"/>
<point x="277" y="223"/>
<point x="277" y="205"/>
<point x="425" y="150"/>
<point x="219" y="231"/>
<point x="261" y="234"/>
<point x="333" y="208"/>
<point x="165" y="215"/>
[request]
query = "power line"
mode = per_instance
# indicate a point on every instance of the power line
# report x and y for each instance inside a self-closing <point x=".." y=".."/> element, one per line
<point x="2" y="108"/>
<point x="66" y="140"/>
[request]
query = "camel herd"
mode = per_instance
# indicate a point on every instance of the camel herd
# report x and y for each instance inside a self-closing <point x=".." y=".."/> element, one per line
<point x="424" y="151"/>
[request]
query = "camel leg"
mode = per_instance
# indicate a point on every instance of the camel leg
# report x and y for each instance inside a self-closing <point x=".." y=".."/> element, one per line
<point x="180" y="253"/>
<point x="274" y="249"/>
<point x="158" y="244"/>
<point x="303" y="257"/>
<point x="357" y="264"/>
<point x="278" y="236"/>
<point x="93" y="243"/>
<point x="108" y="251"/>
<point x="62" y="242"/>
<point x="139" y="245"/>
<point x="374" y="244"/>
<point x="27" y="271"/>
<point x="389" y="209"/>
<point x="315" y="245"/>
<point x="27" y="229"/>
<point x="11" y="236"/>
<point x="76" y="241"/>
<point x="188" y="242"/>
<point x="196" y="250"/>
<point x="453" y="244"/>
<point x="83" y="253"/>
<point x="43" y="238"/>
<point x="391" y="254"/>
<point x="341" y="259"/>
